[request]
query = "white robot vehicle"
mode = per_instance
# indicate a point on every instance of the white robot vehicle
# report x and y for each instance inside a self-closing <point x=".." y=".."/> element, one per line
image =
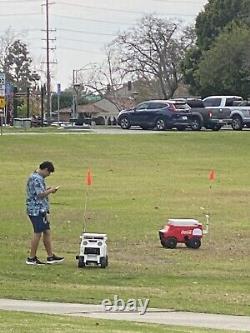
<point x="93" y="250"/>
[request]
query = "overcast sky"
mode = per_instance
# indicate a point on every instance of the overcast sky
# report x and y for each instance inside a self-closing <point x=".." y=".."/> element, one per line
<point x="82" y="27"/>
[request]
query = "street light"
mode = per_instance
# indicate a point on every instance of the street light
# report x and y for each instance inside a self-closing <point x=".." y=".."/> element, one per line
<point x="76" y="86"/>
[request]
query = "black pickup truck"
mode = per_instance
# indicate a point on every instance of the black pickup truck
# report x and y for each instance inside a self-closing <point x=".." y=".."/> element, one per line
<point x="210" y="118"/>
<point x="201" y="115"/>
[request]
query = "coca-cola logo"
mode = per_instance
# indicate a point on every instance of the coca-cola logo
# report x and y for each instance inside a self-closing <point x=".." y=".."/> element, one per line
<point x="186" y="232"/>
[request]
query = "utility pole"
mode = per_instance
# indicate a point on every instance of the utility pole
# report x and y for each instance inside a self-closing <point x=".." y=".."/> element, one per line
<point x="76" y="87"/>
<point x="48" y="62"/>
<point x="28" y="101"/>
<point x="42" y="105"/>
<point x="48" y="58"/>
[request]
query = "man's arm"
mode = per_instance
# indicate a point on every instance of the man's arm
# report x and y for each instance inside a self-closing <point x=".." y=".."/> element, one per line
<point x="47" y="192"/>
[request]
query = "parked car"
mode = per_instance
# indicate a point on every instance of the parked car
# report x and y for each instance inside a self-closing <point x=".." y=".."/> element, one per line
<point x="240" y="110"/>
<point x="203" y="115"/>
<point x="159" y="114"/>
<point x="36" y="121"/>
<point x="180" y="104"/>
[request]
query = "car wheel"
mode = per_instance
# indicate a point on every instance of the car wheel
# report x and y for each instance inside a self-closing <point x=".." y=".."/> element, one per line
<point x="237" y="123"/>
<point x="161" y="124"/>
<point x="125" y="123"/>
<point x="81" y="263"/>
<point x="194" y="243"/>
<point x="196" y="124"/>
<point x="171" y="243"/>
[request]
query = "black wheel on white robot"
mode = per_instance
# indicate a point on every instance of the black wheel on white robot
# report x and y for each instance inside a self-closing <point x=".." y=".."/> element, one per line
<point x="103" y="262"/>
<point x="81" y="263"/>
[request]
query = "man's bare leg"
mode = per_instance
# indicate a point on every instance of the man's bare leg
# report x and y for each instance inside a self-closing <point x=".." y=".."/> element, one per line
<point x="47" y="242"/>
<point x="34" y="244"/>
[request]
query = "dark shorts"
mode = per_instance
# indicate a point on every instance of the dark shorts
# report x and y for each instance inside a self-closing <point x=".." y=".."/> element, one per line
<point x="40" y="223"/>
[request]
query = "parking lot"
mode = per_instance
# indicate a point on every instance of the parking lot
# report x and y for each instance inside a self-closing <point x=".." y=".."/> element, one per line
<point x="137" y="130"/>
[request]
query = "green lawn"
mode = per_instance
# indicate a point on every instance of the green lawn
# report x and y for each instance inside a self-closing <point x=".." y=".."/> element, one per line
<point x="19" y="322"/>
<point x="139" y="182"/>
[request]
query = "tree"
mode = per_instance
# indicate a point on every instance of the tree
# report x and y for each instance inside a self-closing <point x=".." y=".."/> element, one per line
<point x="218" y="16"/>
<point x="189" y="66"/>
<point x="65" y="100"/>
<point x="104" y="79"/>
<point x="153" y="50"/>
<point x="17" y="65"/>
<point x="225" y="70"/>
<point x="5" y="41"/>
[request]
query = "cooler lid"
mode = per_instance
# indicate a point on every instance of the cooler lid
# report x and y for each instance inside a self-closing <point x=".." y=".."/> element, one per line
<point x="184" y="222"/>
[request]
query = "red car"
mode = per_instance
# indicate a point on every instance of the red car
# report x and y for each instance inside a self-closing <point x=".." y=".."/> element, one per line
<point x="187" y="231"/>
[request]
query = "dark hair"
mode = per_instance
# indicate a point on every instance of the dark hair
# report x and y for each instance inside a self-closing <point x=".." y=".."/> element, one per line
<point x="47" y="165"/>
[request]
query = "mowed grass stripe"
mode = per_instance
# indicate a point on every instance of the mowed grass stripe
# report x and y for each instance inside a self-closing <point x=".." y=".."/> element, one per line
<point x="139" y="182"/>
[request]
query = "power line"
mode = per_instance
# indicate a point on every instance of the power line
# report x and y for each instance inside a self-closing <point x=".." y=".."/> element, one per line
<point x="182" y="1"/>
<point x="24" y="30"/>
<point x="102" y="8"/>
<point x="90" y="20"/>
<point x="80" y="50"/>
<point x="16" y="1"/>
<point x="125" y="10"/>
<point x="79" y="40"/>
<point x="21" y="14"/>
<point x="28" y="30"/>
<point x="87" y="32"/>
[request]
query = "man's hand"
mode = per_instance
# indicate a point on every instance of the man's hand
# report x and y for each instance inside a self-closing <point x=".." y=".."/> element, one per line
<point x="48" y="191"/>
<point x="54" y="189"/>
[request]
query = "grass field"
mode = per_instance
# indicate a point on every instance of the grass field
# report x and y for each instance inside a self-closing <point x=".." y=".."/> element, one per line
<point x="139" y="182"/>
<point x="18" y="322"/>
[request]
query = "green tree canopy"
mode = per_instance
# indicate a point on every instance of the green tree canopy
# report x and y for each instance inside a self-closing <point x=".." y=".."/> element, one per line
<point x="66" y="100"/>
<point x="225" y="68"/>
<point x="17" y="65"/>
<point x="218" y="17"/>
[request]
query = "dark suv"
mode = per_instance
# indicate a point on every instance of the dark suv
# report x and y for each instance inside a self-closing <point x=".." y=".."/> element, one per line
<point x="159" y="114"/>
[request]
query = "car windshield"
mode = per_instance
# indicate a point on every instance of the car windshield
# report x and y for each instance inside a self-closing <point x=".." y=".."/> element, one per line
<point x="182" y="106"/>
<point x="142" y="106"/>
<point x="179" y="105"/>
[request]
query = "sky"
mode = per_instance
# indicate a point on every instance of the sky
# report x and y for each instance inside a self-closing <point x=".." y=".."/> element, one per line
<point x="81" y="28"/>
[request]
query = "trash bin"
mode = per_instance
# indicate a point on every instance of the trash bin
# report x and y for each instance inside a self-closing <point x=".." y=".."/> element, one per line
<point x="22" y="122"/>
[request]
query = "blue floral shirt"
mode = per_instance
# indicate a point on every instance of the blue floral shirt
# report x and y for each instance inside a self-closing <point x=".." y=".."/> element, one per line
<point x="35" y="186"/>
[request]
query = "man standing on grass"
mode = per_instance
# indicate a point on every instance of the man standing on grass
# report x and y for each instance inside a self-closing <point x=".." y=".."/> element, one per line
<point x="37" y="203"/>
